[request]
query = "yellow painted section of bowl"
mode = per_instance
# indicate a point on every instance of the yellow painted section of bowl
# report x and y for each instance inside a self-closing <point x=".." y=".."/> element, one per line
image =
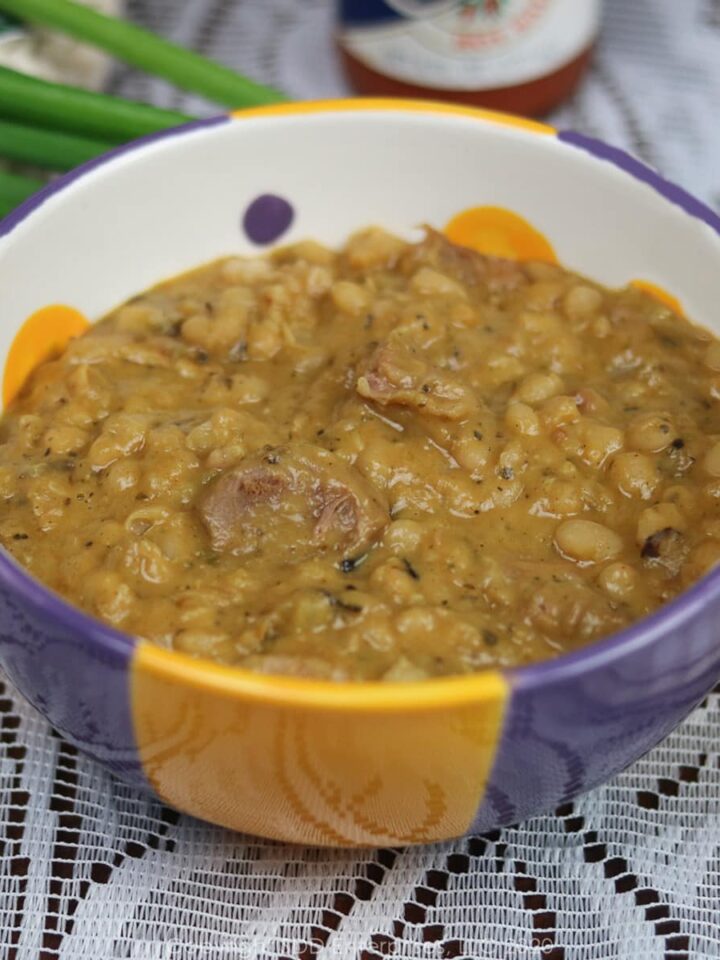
<point x="44" y="334"/>
<point x="396" y="104"/>
<point x="660" y="294"/>
<point x="498" y="232"/>
<point x="313" y="762"/>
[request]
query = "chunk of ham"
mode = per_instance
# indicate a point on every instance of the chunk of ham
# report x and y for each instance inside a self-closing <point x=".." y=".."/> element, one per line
<point x="392" y="375"/>
<point x="292" y="502"/>
<point x="468" y="266"/>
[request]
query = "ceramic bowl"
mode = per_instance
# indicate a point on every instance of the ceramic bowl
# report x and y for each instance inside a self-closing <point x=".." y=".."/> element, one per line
<point x="305" y="760"/>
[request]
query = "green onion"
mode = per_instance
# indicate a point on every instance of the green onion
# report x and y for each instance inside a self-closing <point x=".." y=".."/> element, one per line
<point x="14" y="189"/>
<point x="51" y="105"/>
<point x="137" y="47"/>
<point x="46" y="148"/>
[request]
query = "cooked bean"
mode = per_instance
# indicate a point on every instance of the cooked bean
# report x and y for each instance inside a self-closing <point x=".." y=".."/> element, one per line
<point x="471" y="451"/>
<point x="147" y="565"/>
<point x="618" y="580"/>
<point x="403" y="536"/>
<point x="587" y="541"/>
<point x="121" y="435"/>
<point x="123" y="475"/>
<point x="651" y="432"/>
<point x="582" y="301"/>
<point x="522" y="419"/>
<point x="560" y="498"/>
<point x="431" y="283"/>
<point x="49" y="496"/>
<point x="598" y="442"/>
<point x="635" y="475"/>
<point x="538" y="387"/>
<point x="395" y="580"/>
<point x="64" y="438"/>
<point x="318" y="281"/>
<point x="313" y="609"/>
<point x="372" y="249"/>
<point x="246" y="270"/>
<point x="559" y="410"/>
<point x="349" y="297"/>
<point x="109" y="596"/>
<point x="145" y="518"/>
<point x="225" y="425"/>
<point x="502" y="368"/>
<point x="591" y="402"/>
<point x="653" y="519"/>
<point x="416" y="620"/>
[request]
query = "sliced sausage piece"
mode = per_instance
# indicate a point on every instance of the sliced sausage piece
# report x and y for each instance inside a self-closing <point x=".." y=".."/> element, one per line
<point x="395" y="376"/>
<point x="292" y="502"/>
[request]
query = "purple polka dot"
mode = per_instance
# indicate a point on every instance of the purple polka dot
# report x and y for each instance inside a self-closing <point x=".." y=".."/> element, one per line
<point x="267" y="218"/>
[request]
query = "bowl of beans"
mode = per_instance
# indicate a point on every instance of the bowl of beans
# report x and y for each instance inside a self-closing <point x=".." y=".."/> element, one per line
<point x="361" y="466"/>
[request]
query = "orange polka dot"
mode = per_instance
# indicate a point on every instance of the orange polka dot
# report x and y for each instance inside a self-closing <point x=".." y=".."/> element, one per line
<point x="43" y="335"/>
<point x="499" y="233"/>
<point x="659" y="293"/>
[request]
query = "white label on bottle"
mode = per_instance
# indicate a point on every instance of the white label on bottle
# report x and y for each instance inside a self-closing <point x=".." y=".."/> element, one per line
<point x="479" y="45"/>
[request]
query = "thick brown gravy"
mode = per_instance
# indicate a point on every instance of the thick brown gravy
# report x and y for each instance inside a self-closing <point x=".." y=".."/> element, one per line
<point x="395" y="461"/>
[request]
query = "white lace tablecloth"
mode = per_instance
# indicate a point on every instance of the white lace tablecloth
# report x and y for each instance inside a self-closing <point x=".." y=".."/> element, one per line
<point x="91" y="869"/>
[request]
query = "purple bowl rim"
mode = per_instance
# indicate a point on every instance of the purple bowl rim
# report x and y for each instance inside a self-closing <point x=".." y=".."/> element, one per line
<point x="601" y="652"/>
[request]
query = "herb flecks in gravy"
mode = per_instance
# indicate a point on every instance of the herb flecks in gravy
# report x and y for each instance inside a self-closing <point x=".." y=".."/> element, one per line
<point x="396" y="461"/>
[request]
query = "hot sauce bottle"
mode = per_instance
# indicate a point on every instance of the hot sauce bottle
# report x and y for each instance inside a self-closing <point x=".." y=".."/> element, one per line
<point x="522" y="56"/>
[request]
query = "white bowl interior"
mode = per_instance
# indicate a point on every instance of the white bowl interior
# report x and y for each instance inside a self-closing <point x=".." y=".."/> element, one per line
<point x="171" y="204"/>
